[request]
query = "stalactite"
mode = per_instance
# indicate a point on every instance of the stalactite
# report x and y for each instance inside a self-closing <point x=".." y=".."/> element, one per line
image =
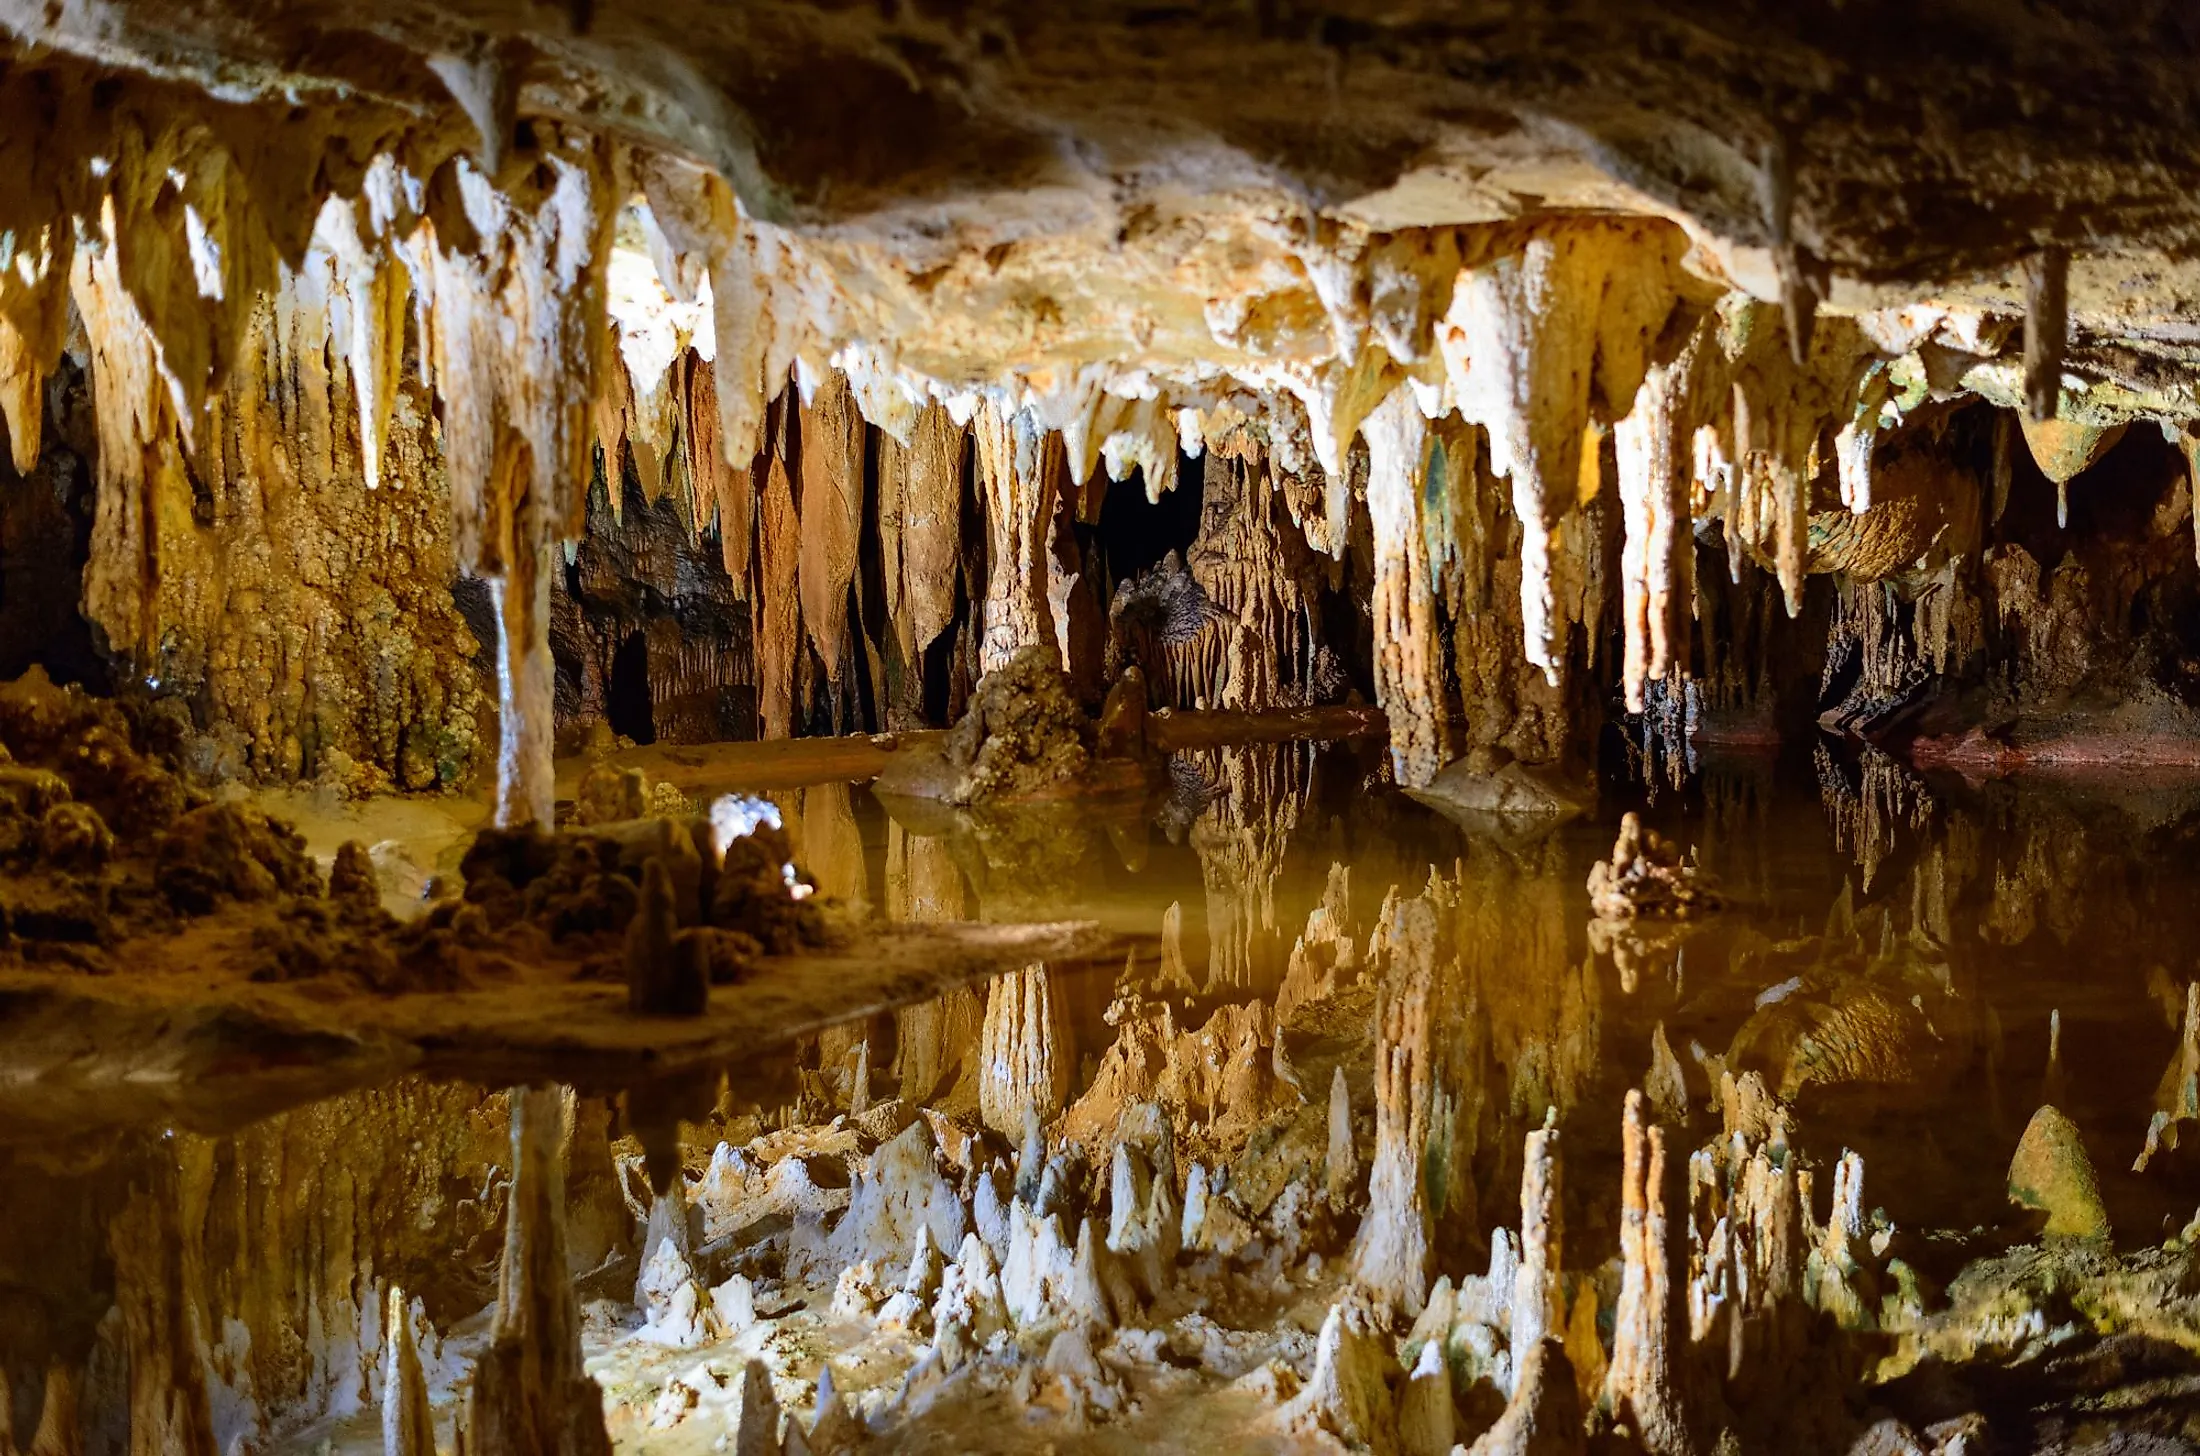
<point x="1409" y="680"/>
<point x="518" y="338"/>
<point x="377" y="291"/>
<point x="779" y="619"/>
<point x="34" y="329"/>
<point x="1534" y="343"/>
<point x="831" y="518"/>
<point x="1655" y="446"/>
<point x="1019" y="471"/>
<point x="135" y="415"/>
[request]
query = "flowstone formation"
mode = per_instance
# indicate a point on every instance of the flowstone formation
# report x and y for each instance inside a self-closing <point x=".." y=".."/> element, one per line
<point x="1509" y="407"/>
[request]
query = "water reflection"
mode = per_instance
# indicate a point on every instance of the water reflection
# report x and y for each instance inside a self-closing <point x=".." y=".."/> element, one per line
<point x="1916" y="965"/>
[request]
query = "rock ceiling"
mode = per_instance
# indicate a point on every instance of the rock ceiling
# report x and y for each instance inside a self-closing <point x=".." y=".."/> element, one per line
<point x="1750" y="236"/>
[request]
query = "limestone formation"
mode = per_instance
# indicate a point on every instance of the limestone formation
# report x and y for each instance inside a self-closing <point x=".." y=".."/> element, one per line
<point x="529" y="1390"/>
<point x="407" y="1427"/>
<point x="1141" y="476"/>
<point x="2051" y="1174"/>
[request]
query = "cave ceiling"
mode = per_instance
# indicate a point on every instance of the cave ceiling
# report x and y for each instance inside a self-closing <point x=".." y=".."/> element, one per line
<point x="1040" y="185"/>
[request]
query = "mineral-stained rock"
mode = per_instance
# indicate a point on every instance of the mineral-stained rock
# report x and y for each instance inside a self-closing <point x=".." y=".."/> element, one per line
<point x="231" y="851"/>
<point x="2051" y="1174"/>
<point x="1023" y="735"/>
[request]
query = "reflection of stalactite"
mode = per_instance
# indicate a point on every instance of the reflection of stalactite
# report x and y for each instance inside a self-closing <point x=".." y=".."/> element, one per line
<point x="1516" y="913"/>
<point x="937" y="1042"/>
<point x="1868" y="822"/>
<point x="1026" y="1058"/>
<point x="1242" y="837"/>
<point x="530" y="1392"/>
<point x="1394" y="1254"/>
<point x="827" y="841"/>
<point x="249" y="1270"/>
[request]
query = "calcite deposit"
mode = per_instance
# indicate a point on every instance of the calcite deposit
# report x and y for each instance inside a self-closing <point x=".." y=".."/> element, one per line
<point x="717" y="726"/>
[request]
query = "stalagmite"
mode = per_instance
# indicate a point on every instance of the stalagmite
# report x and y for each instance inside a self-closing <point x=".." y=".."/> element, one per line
<point x="1341" y="1171"/>
<point x="1426" y="1414"/>
<point x="1145" y="1226"/>
<point x="1538" y="1303"/>
<point x="2046" y="331"/>
<point x="2051" y="1174"/>
<point x="833" y="1429"/>
<point x="756" y="1427"/>
<point x="530" y="1392"/>
<point x="1392" y="1256"/>
<point x="1649" y="1328"/>
<point x="1348" y="1394"/>
<point x="2177" y="1097"/>
<point x="1543" y="1418"/>
<point x="407" y="1429"/>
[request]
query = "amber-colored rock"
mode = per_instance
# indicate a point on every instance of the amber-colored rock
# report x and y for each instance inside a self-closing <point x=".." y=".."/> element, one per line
<point x="2051" y="1174"/>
